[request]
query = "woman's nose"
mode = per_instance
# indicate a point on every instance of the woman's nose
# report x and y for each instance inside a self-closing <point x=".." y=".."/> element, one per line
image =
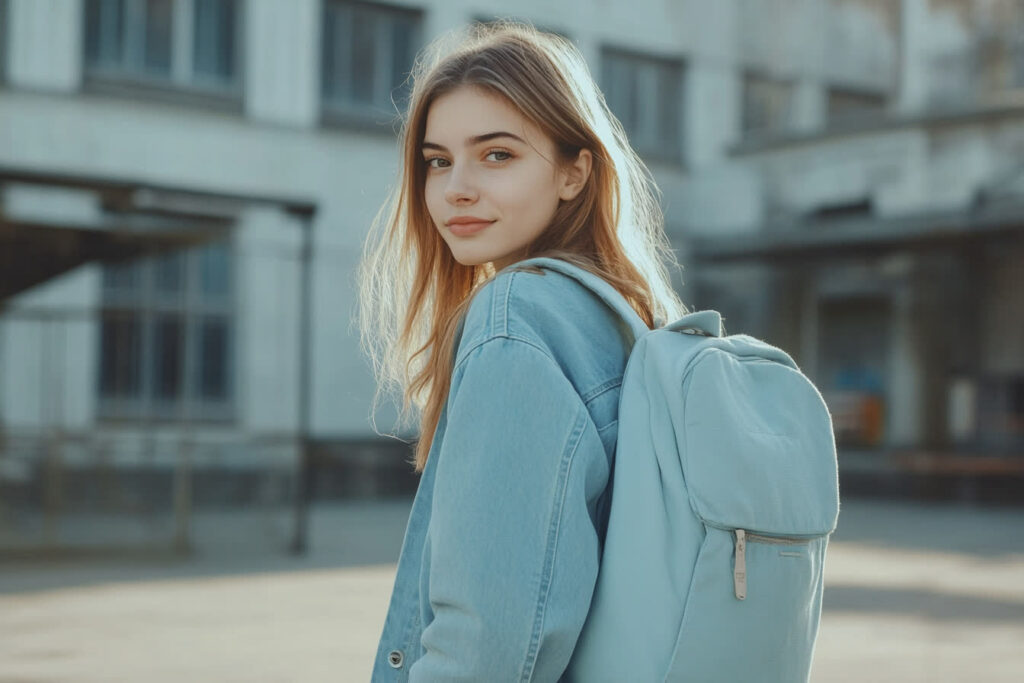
<point x="460" y="189"/>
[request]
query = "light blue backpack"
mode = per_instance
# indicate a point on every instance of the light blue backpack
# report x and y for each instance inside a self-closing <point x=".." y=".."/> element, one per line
<point x="724" y="495"/>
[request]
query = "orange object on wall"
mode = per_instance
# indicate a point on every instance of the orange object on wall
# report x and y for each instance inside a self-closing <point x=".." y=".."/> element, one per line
<point x="872" y="409"/>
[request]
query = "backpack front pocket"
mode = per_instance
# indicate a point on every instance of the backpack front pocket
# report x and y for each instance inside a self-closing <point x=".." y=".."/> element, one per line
<point x="752" y="609"/>
<point x="758" y="468"/>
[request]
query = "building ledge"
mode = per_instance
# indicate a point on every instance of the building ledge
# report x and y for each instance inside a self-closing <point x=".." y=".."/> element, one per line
<point x="859" y="236"/>
<point x="953" y="115"/>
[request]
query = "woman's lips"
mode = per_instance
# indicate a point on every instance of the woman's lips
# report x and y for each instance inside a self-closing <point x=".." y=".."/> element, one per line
<point x="464" y="229"/>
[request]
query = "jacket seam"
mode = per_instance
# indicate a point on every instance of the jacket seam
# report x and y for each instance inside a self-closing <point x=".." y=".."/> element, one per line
<point x="497" y="335"/>
<point x="602" y="388"/>
<point x="558" y="507"/>
<point x="502" y="321"/>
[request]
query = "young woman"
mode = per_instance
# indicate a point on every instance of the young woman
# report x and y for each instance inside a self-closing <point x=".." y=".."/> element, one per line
<point x="508" y="152"/>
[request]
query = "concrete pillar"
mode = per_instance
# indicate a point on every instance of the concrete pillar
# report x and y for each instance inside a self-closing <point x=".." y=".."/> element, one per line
<point x="44" y="43"/>
<point x="903" y="428"/>
<point x="282" y="72"/>
<point x="810" y="105"/>
<point x="711" y="115"/>
<point x="912" y="95"/>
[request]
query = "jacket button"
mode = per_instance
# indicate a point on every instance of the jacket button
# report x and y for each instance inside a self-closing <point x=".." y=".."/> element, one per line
<point x="395" y="658"/>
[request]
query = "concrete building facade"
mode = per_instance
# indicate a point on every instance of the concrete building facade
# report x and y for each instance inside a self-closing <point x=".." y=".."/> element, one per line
<point x="840" y="178"/>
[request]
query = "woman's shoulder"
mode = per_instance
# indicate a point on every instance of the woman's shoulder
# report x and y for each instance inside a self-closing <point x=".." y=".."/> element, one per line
<point x="546" y="308"/>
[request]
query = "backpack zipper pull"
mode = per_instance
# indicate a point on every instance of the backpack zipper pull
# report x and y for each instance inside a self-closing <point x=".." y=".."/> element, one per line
<point x="739" y="573"/>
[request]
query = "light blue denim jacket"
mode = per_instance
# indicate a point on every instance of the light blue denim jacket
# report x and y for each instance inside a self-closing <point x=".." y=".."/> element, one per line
<point x="501" y="552"/>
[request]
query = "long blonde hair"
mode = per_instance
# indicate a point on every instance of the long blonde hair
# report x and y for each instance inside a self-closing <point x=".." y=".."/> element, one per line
<point x="412" y="291"/>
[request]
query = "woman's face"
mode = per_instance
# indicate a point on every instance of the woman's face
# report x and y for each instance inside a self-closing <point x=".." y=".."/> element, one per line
<point x="490" y="166"/>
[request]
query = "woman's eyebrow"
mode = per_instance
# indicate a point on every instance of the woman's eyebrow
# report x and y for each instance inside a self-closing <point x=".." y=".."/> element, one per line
<point x="476" y="140"/>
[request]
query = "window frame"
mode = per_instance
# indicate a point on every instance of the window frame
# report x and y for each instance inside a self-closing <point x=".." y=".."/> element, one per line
<point x="341" y="111"/>
<point x="144" y="303"/>
<point x="182" y="84"/>
<point x="673" y="66"/>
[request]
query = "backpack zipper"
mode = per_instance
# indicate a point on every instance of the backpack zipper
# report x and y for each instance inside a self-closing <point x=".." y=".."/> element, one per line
<point x="739" y="572"/>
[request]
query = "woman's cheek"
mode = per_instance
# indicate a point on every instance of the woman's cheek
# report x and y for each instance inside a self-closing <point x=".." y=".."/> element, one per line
<point x="431" y="199"/>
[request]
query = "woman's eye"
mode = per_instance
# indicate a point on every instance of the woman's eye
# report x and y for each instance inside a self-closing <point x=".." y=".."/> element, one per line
<point x="430" y="162"/>
<point x="504" y="155"/>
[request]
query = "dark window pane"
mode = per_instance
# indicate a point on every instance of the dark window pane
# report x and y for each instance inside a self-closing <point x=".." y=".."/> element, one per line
<point x="338" y="52"/>
<point x="1016" y="398"/>
<point x="403" y="52"/>
<point x="1017" y="59"/>
<point x="644" y="94"/>
<point x="622" y="91"/>
<point x="167" y="357"/>
<point x="213" y="358"/>
<point x="364" y="58"/>
<point x="158" y="36"/>
<point x="367" y="55"/>
<point x="104" y="32"/>
<point x="120" y="355"/>
<point x="214" y="53"/>
<point x="845" y="105"/>
<point x="181" y="350"/>
<point x="629" y="90"/>
<point x="631" y="95"/>
<point x="214" y="269"/>
<point x="668" y="120"/>
<point x="121" y="276"/>
<point x="169" y="272"/>
<point x="766" y="104"/>
<point x="608" y="84"/>
<point x="646" y="101"/>
<point x="328" y="49"/>
<point x="756" y="105"/>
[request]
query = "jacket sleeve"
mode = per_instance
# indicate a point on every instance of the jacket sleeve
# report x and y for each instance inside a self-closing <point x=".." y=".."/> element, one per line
<point x="514" y="551"/>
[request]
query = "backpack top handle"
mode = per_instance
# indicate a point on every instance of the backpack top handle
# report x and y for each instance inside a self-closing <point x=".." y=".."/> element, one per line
<point x="707" y="323"/>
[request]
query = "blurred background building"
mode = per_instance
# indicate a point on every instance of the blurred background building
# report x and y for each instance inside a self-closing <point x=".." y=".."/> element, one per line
<point x="185" y="186"/>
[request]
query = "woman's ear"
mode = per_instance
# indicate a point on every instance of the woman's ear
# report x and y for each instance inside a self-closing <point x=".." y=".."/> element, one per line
<point x="574" y="175"/>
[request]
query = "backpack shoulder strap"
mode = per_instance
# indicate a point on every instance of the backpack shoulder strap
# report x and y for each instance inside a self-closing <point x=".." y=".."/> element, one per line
<point x="707" y="323"/>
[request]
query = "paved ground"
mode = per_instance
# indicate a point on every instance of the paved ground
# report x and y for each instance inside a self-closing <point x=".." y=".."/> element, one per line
<point x="915" y="593"/>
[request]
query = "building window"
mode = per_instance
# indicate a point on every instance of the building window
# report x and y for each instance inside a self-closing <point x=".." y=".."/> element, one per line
<point x="1001" y="412"/>
<point x="166" y="336"/>
<point x="645" y="94"/>
<point x="767" y="104"/>
<point x="187" y="43"/>
<point x="846" y="105"/>
<point x="1016" y="60"/>
<point x="368" y="53"/>
<point x="989" y="69"/>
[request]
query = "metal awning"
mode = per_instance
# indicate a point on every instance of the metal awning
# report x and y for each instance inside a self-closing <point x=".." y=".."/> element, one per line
<point x="139" y="217"/>
<point x="863" y="236"/>
<point x="33" y="252"/>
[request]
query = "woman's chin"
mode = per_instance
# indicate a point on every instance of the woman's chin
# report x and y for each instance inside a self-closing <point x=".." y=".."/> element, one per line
<point x="469" y="258"/>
